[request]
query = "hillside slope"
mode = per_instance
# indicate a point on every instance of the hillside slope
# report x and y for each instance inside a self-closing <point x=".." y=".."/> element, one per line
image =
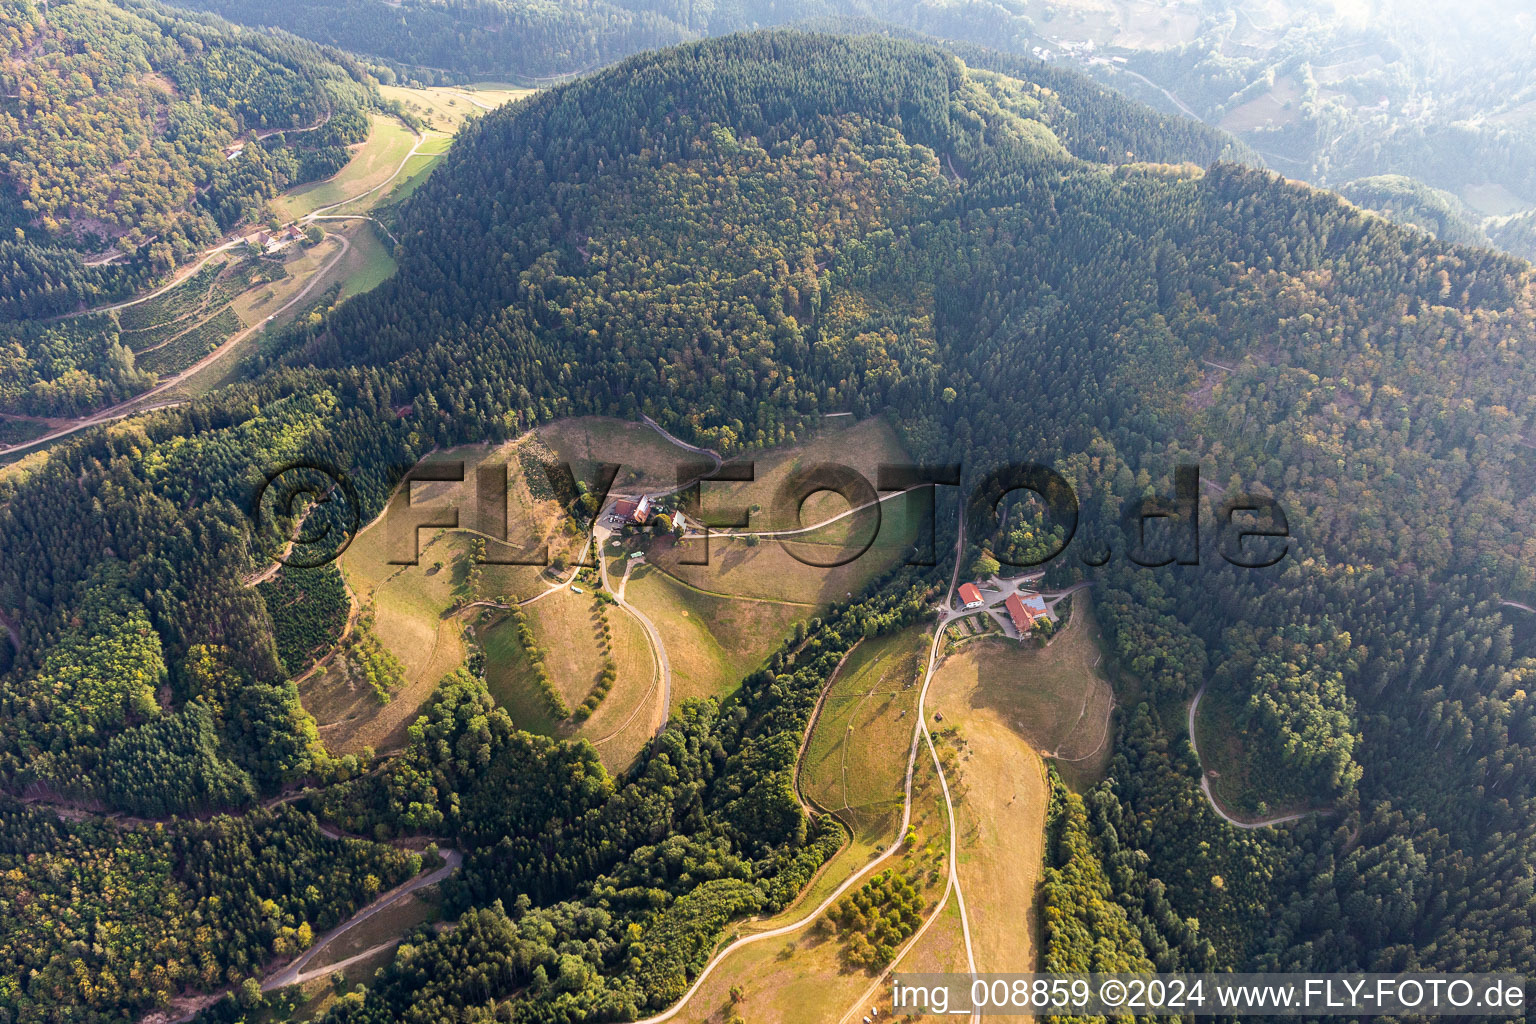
<point x="736" y="238"/>
<point x="120" y="140"/>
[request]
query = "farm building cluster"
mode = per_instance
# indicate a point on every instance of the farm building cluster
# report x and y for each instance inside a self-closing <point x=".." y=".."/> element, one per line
<point x="640" y="511"/>
<point x="1018" y="614"/>
<point x="274" y="241"/>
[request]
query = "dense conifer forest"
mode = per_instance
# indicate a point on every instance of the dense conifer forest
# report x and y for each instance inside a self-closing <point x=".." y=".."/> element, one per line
<point x="735" y="238"/>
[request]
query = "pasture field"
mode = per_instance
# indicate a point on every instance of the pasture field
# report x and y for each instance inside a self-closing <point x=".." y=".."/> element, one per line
<point x="1493" y="200"/>
<point x="1281" y="105"/>
<point x="366" y="265"/>
<point x="565" y="628"/>
<point x="1003" y="705"/>
<point x="509" y="677"/>
<point x="802" y="569"/>
<point x="863" y="446"/>
<point x="648" y="461"/>
<point x="299" y="264"/>
<point x="712" y="642"/>
<point x="411" y="617"/>
<point x="373" y="162"/>
<point x="1058" y="698"/>
<point x="856" y="759"/>
<point x="416" y="170"/>
<point x="446" y="108"/>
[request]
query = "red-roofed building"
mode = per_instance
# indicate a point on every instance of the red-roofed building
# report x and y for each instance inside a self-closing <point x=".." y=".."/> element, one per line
<point x="970" y="596"/>
<point x="1025" y="611"/>
<point x="632" y="511"/>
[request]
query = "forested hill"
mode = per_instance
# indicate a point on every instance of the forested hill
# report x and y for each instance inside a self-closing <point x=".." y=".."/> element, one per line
<point x="118" y="132"/>
<point x="737" y="237"/>
<point x="528" y="40"/>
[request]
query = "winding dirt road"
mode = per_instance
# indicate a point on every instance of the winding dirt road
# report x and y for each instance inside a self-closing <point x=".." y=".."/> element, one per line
<point x="131" y="406"/>
<point x="658" y="649"/>
<point x="920" y="735"/>
<point x="1205" y="783"/>
<point x="293" y="973"/>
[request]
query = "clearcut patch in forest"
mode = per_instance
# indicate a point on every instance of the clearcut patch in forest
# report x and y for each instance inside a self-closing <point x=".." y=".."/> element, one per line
<point x="1247" y="776"/>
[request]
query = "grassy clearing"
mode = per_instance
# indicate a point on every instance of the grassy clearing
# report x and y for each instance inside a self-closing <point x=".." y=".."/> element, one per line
<point x="1058" y="698"/>
<point x="509" y="677"/>
<point x="1222" y="753"/>
<point x="621" y="725"/>
<point x="1000" y="794"/>
<point x="446" y="108"/>
<point x="15" y="430"/>
<point x="416" y="170"/>
<point x="564" y="633"/>
<point x="1247" y="772"/>
<point x="712" y="642"/>
<point x="648" y="461"/>
<point x="1279" y="106"/>
<point x="940" y="951"/>
<point x="863" y="446"/>
<point x="856" y="760"/>
<point x="1493" y="200"/>
<point x="317" y="995"/>
<point x="1001" y="705"/>
<point x="778" y="571"/>
<point x="372" y="163"/>
<point x="801" y="977"/>
<point x="407" y="912"/>
<point x="566" y="625"/>
<point x="410" y="605"/>
<point x="775" y="568"/>
<point x="367" y="265"/>
<point x="299" y="266"/>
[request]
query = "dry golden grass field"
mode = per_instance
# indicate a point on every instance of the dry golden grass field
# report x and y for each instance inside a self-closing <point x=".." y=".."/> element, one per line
<point x="1004" y="705"/>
